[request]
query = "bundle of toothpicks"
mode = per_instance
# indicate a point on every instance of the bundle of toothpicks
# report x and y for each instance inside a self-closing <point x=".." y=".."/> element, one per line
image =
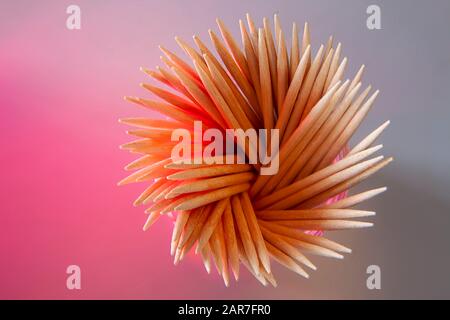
<point x="230" y="213"/>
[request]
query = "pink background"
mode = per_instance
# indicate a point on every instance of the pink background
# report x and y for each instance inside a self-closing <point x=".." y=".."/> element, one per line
<point x="61" y="96"/>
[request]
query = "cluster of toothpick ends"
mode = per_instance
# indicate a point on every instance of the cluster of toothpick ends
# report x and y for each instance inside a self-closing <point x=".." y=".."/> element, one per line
<point x="230" y="214"/>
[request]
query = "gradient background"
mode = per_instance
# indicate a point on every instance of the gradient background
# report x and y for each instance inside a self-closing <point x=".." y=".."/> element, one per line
<point x="61" y="95"/>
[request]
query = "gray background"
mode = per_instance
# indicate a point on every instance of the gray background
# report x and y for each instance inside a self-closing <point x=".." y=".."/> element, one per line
<point x="408" y="60"/>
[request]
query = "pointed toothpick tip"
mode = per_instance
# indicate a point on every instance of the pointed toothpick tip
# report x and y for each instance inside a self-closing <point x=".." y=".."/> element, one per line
<point x="377" y="147"/>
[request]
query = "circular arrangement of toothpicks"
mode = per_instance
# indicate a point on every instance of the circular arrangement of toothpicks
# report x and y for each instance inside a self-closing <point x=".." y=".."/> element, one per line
<point x="230" y="213"/>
